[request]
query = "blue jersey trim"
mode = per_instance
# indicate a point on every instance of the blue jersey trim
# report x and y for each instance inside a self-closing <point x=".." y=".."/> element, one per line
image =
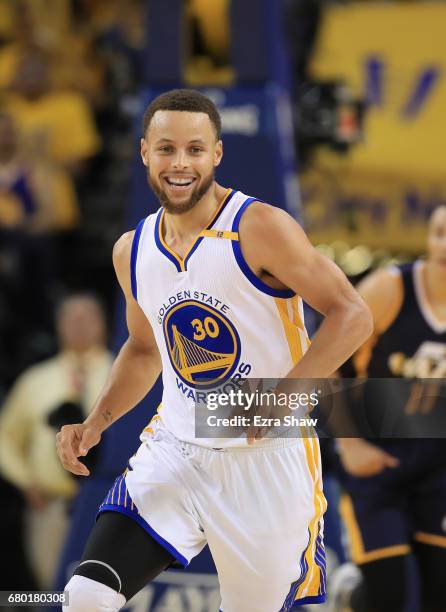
<point x="133" y="258"/>
<point x="255" y="280"/>
<point x="209" y="226"/>
<point x="138" y="518"/>
<point x="311" y="599"/>
<point x="160" y="245"/>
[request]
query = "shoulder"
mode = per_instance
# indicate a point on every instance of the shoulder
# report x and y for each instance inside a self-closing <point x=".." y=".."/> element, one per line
<point x="264" y="221"/>
<point x="383" y="292"/>
<point x="122" y="252"/>
<point x="385" y="281"/>
<point x="37" y="373"/>
<point x="123" y="246"/>
<point x="260" y="212"/>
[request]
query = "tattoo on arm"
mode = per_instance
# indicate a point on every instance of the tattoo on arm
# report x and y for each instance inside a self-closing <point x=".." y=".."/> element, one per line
<point x="108" y="417"/>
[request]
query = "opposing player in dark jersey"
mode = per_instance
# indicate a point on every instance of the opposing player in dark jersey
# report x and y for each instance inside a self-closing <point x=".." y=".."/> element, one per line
<point x="396" y="502"/>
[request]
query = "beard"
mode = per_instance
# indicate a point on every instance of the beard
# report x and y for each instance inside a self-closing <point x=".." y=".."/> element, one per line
<point x="195" y="197"/>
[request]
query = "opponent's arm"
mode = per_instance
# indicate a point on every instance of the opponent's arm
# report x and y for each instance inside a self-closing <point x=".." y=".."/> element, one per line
<point x="134" y="372"/>
<point x="383" y="293"/>
<point x="287" y="255"/>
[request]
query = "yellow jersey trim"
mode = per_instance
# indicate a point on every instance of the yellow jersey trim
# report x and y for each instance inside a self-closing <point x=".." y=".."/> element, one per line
<point x="182" y="260"/>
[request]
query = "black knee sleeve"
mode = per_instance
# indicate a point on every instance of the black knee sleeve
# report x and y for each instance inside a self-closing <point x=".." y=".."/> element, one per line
<point x="101" y="572"/>
<point x="121" y="555"/>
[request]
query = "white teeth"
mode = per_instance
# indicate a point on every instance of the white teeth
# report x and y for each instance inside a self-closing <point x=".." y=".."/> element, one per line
<point x="180" y="181"/>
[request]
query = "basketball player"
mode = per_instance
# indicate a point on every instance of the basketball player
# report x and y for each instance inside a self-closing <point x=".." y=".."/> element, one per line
<point x="397" y="488"/>
<point x="211" y="283"/>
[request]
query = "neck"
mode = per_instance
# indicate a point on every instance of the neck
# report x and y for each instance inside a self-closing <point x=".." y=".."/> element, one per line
<point x="435" y="281"/>
<point x="194" y="220"/>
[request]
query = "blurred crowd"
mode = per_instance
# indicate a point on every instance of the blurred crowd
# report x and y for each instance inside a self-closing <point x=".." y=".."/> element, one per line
<point x="69" y="71"/>
<point x="69" y="75"/>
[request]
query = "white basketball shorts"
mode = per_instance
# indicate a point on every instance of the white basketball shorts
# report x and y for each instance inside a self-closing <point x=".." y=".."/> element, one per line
<point x="259" y="509"/>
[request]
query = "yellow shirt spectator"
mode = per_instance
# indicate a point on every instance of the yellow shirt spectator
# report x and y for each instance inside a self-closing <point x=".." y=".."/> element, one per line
<point x="59" y="126"/>
<point x="28" y="455"/>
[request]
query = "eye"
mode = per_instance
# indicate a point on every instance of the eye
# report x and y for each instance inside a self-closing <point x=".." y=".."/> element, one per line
<point x="195" y="150"/>
<point x="165" y="149"/>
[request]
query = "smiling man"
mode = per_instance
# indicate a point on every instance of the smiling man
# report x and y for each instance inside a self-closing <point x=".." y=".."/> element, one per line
<point x="214" y="283"/>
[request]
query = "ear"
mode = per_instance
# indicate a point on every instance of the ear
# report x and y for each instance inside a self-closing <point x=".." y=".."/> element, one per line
<point x="144" y="152"/>
<point x="218" y="153"/>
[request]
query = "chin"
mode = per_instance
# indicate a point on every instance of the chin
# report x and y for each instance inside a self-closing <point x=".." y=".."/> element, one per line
<point x="175" y="209"/>
<point x="179" y="208"/>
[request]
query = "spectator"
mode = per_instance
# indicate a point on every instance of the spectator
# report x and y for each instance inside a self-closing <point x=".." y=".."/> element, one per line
<point x="37" y="200"/>
<point x="34" y="196"/>
<point x="57" y="391"/>
<point x="47" y="26"/>
<point x="58" y="125"/>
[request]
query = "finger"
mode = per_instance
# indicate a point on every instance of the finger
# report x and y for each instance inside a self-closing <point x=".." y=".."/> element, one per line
<point x="88" y="440"/>
<point x="68" y="451"/>
<point x="76" y="467"/>
<point x="68" y="461"/>
<point x="252" y="433"/>
<point x="390" y="461"/>
<point x="251" y="436"/>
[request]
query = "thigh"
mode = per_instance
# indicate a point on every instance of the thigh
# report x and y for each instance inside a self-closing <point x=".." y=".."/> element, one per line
<point x="155" y="491"/>
<point x="375" y="514"/>
<point x="118" y="542"/>
<point x="428" y="506"/>
<point x="265" y="529"/>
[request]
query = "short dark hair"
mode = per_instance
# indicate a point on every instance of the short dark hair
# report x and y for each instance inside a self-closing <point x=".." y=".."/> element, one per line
<point x="188" y="100"/>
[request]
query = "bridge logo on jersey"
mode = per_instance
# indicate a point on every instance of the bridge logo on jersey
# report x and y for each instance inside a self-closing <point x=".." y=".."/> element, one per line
<point x="203" y="345"/>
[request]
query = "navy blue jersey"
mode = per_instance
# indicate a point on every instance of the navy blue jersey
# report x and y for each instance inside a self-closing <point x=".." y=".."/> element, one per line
<point x="410" y="351"/>
<point x="385" y="513"/>
<point x="414" y="346"/>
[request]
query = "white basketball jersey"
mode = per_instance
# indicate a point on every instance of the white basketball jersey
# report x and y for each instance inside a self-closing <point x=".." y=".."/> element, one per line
<point x="215" y="322"/>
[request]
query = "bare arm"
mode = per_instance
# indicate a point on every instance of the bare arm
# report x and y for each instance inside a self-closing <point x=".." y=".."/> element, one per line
<point x="133" y="374"/>
<point x="287" y="255"/>
<point x="383" y="292"/>
<point x="138" y="363"/>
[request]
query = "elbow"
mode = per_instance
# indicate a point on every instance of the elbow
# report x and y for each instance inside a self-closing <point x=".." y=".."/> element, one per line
<point x="363" y="321"/>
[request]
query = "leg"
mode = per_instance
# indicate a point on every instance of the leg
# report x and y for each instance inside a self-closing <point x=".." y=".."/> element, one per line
<point x="428" y="507"/>
<point x="431" y="563"/>
<point x="385" y="584"/>
<point x="147" y="521"/>
<point x="377" y="524"/>
<point x="129" y="558"/>
<point x="377" y="586"/>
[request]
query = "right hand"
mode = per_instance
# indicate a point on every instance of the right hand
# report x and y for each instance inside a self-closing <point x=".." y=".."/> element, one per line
<point x="362" y="459"/>
<point x="75" y="441"/>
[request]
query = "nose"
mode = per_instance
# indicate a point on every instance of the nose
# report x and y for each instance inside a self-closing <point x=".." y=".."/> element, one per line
<point x="180" y="161"/>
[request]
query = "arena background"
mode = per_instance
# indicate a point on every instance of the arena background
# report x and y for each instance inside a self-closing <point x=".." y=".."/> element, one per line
<point x="333" y="111"/>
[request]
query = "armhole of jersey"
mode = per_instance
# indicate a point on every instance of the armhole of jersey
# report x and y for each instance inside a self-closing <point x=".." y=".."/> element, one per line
<point x="134" y="257"/>
<point x="244" y="267"/>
